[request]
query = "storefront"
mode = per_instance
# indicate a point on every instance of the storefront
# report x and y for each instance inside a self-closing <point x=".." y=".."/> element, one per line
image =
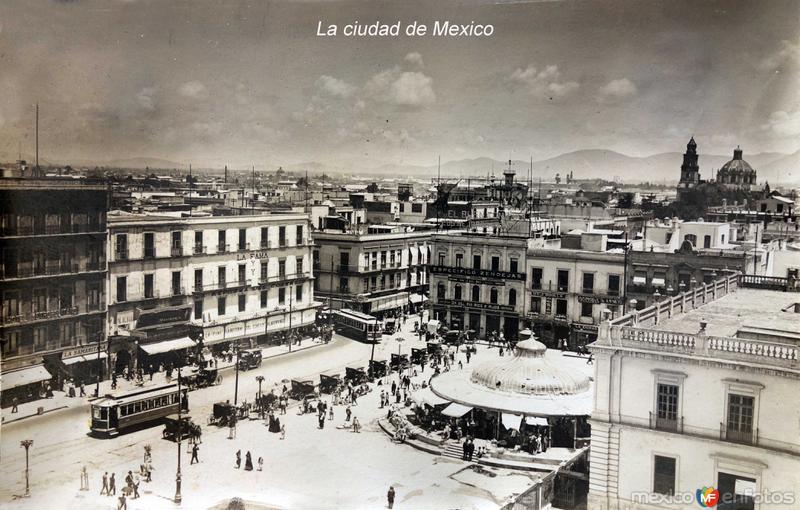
<point x="163" y="338"/>
<point x="383" y="306"/>
<point x="85" y="364"/>
<point x="265" y="330"/>
<point x="24" y="385"/>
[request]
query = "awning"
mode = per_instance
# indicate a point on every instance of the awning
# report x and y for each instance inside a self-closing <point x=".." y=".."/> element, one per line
<point x="639" y="279"/>
<point x="511" y="421"/>
<point x="417" y="298"/>
<point x="82" y="358"/>
<point x="536" y="420"/>
<point x="658" y="281"/>
<point x="456" y="410"/>
<point x="168" y="345"/>
<point x="25" y="376"/>
<point x="426" y="396"/>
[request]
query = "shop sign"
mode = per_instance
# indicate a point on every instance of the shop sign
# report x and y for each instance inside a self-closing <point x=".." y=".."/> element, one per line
<point x="478" y="306"/>
<point x="234" y="330"/>
<point x="255" y="327"/>
<point x="158" y="317"/>
<point x="548" y="293"/>
<point x="476" y="281"/>
<point x="80" y="351"/>
<point x="484" y="273"/>
<point x="214" y="334"/>
<point x="600" y="300"/>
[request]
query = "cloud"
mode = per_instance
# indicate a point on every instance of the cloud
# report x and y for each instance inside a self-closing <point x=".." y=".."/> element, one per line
<point x="545" y="84"/>
<point x="415" y="59"/>
<point x="404" y="88"/>
<point x="616" y="90"/>
<point x="146" y="99"/>
<point x="335" y="87"/>
<point x="788" y="52"/>
<point x="783" y="124"/>
<point x="193" y="89"/>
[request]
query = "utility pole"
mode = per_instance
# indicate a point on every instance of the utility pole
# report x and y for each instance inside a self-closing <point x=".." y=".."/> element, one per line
<point x="27" y="443"/>
<point x="99" y="369"/>
<point x="236" y="384"/>
<point x="180" y="433"/>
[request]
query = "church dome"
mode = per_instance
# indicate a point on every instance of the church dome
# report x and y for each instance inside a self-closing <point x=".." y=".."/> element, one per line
<point x="529" y="372"/>
<point x="737" y="165"/>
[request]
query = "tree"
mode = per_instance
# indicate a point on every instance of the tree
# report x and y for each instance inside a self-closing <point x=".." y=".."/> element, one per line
<point x="302" y="182"/>
<point x="372" y="188"/>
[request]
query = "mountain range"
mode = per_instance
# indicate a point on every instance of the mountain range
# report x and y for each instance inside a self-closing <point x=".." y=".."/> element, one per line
<point x="774" y="167"/>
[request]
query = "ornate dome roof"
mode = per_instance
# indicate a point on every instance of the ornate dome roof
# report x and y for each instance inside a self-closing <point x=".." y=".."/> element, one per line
<point x="737" y="165"/>
<point x="530" y="373"/>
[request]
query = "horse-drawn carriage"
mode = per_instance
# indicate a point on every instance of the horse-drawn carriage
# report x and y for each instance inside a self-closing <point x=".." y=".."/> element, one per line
<point x="178" y="428"/>
<point x="328" y="381"/>
<point x="222" y="414"/>
<point x="355" y="375"/>
<point x="378" y="368"/>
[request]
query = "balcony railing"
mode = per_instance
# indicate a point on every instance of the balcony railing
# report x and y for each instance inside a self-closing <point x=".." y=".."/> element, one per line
<point x="120" y="255"/>
<point x="42" y="315"/>
<point x="244" y="247"/>
<point x="176" y="251"/>
<point x="667" y="424"/>
<point x="222" y="248"/>
<point x="738" y="436"/>
<point x="149" y="252"/>
<point x="199" y="249"/>
<point x="769" y="283"/>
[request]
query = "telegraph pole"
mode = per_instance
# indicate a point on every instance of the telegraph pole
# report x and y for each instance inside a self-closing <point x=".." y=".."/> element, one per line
<point x="178" y="497"/>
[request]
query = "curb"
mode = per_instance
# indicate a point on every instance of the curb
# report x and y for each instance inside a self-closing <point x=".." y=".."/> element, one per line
<point x="6" y="422"/>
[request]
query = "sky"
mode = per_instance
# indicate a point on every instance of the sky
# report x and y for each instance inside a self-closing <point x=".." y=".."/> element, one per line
<point x="241" y="83"/>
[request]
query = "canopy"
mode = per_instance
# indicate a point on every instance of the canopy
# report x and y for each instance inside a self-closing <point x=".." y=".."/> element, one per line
<point x="511" y="421"/>
<point x="168" y="345"/>
<point x="426" y="396"/>
<point x="417" y="298"/>
<point x="83" y="358"/>
<point x="25" y="376"/>
<point x="536" y="420"/>
<point x="456" y="410"/>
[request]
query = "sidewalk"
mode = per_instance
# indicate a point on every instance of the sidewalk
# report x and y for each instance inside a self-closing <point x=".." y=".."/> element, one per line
<point x="61" y="400"/>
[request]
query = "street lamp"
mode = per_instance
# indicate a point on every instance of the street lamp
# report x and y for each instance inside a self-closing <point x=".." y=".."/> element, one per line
<point x="260" y="379"/>
<point x="178" y="497"/>
<point x="27" y="443"/>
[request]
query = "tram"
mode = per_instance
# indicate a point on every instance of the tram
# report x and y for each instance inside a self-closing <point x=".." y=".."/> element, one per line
<point x="356" y="325"/>
<point x="115" y="413"/>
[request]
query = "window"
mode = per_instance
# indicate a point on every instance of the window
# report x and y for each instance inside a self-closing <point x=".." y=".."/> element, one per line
<point x="298" y="293"/>
<point x="221" y="241"/>
<point x="198" y="241"/>
<point x="441" y="258"/>
<point x="282" y="236"/>
<point x="706" y="241"/>
<point x="493" y="295"/>
<point x="536" y="305"/>
<point x="299" y="235"/>
<point x="282" y="268"/>
<point x="40" y="300"/>
<point x="586" y="309"/>
<point x="121" y="249"/>
<point x="221" y="276"/>
<point x="39" y="338"/>
<point x="344" y="260"/>
<point x="198" y="279"/>
<point x="513" y="266"/>
<point x="588" y="283"/>
<point x="536" y="278"/>
<point x="383" y="259"/>
<point x="149" y="245"/>
<point x="282" y="295"/>
<point x="122" y="289"/>
<point x="344" y="284"/>
<point x="441" y="291"/>
<point x="457" y="292"/>
<point x="176" y="243"/>
<point x="664" y="475"/>
<point x="264" y="237"/>
<point x="561" y="307"/>
<point x="242" y="239"/>
<point x="476" y="262"/>
<point x="512" y="297"/>
<point x="264" y="270"/>
<point x="613" y="285"/>
<point x="176" y="283"/>
<point x="148" y="286"/>
<point x="495" y="263"/>
<point x="740" y="417"/>
<point x="459" y="259"/>
<point x="221" y="305"/>
<point x="476" y="293"/>
<point x="667" y="406"/>
<point x="264" y="296"/>
<point x="691" y="238"/>
<point x="242" y="274"/>
<point x="563" y="280"/>
<point x="242" y="302"/>
<point x="298" y="266"/>
<point x="198" y="309"/>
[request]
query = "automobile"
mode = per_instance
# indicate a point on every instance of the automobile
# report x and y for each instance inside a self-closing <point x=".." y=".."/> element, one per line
<point x="222" y="414"/>
<point x="249" y="358"/>
<point x="178" y="427"/>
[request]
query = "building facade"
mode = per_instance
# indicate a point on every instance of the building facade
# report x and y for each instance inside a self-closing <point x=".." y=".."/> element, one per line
<point x="375" y="273"/>
<point x="682" y="391"/>
<point x="53" y="283"/>
<point x="478" y="282"/>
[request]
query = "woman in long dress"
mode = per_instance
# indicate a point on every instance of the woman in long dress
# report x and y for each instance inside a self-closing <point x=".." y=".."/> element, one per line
<point x="248" y="462"/>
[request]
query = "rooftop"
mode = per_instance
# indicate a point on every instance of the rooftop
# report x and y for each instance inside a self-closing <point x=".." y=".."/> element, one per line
<point x="725" y="316"/>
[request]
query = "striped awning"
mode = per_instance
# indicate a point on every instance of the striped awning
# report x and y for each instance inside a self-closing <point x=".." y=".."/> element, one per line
<point x="168" y="345"/>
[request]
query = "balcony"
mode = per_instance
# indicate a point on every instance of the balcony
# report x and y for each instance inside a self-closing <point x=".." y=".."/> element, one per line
<point x="738" y="436"/>
<point x="223" y="248"/>
<point x="666" y="424"/>
<point x="176" y="251"/>
<point x="40" y="316"/>
<point x="149" y="252"/>
<point x="178" y="291"/>
<point x="244" y="247"/>
<point x="199" y="249"/>
<point x="121" y="255"/>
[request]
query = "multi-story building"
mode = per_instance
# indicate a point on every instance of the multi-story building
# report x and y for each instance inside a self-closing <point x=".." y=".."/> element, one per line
<point x="570" y="288"/>
<point x="478" y="282"/>
<point x="243" y="279"/>
<point x="699" y="391"/>
<point x="53" y="240"/>
<point x="375" y="270"/>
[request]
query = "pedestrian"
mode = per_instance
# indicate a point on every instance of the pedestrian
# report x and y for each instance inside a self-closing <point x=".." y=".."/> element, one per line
<point x="464" y="449"/>
<point x="84" y="479"/>
<point x="470" y="449"/>
<point x="394" y="387"/>
<point x="356" y="424"/>
<point x="195" y="449"/>
<point x="112" y="484"/>
<point x="348" y="413"/>
<point x="238" y="459"/>
<point x="129" y="479"/>
<point x="330" y="414"/>
<point x="383" y="398"/>
<point x="136" y="483"/>
<point x="14" y="405"/>
<point x="248" y="462"/>
<point x="260" y="463"/>
<point x="104" y="490"/>
<point x="460" y="365"/>
<point x="321" y="421"/>
<point x="390" y="497"/>
<point x="469" y="354"/>
<point x="283" y="432"/>
<point x="83" y="390"/>
<point x="123" y="503"/>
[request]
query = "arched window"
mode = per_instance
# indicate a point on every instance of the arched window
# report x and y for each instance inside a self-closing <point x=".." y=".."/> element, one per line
<point x="441" y="291"/>
<point x="691" y="238"/>
<point x="493" y="295"/>
<point x="512" y="297"/>
<point x="457" y="291"/>
<point x="476" y="293"/>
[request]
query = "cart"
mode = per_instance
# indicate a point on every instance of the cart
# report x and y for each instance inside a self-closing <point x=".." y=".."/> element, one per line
<point x="328" y="381"/>
<point x="222" y="414"/>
